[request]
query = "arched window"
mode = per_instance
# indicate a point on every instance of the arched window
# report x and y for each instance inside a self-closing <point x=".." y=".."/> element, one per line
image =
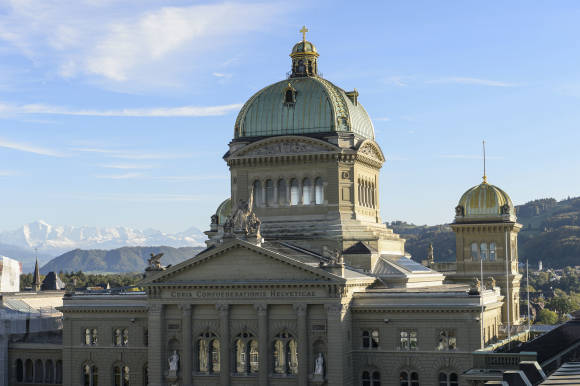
<point x="376" y="379"/>
<point x="366" y="340"/>
<point x="49" y="372"/>
<point x="247" y="354"/>
<point x="90" y="375"/>
<point x="370" y="339"/>
<point x="120" y="375"/>
<point x="269" y="192"/>
<point x="407" y="378"/>
<point x="117" y="338"/>
<point x="318" y="191"/>
<point x="58" y="374"/>
<point x="125" y="337"/>
<point x="258" y="198"/>
<point x="28" y="371"/>
<point x="289" y="96"/>
<point x="369" y="379"/>
<point x="294" y="192"/>
<point x="474" y="251"/>
<point x="208" y="348"/>
<point x="282" y="199"/>
<point x="491" y="251"/>
<point x="483" y="251"/>
<point x="306" y="191"/>
<point x="88" y="336"/>
<point x="285" y="354"/>
<point x="19" y="370"/>
<point x="448" y="379"/>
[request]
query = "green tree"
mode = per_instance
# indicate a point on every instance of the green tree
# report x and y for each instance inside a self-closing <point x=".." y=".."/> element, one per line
<point x="546" y="316"/>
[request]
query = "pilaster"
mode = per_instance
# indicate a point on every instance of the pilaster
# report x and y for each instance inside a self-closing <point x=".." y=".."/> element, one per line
<point x="334" y="361"/>
<point x="303" y="344"/>
<point x="225" y="368"/>
<point x="187" y="345"/>
<point x="155" y="350"/>
<point x="264" y="353"/>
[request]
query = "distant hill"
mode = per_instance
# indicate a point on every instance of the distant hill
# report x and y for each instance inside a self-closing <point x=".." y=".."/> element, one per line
<point x="551" y="233"/>
<point x="126" y="259"/>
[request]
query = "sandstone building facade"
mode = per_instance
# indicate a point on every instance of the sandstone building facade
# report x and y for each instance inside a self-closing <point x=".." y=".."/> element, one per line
<point x="301" y="283"/>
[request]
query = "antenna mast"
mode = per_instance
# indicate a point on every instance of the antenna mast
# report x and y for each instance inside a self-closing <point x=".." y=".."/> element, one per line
<point x="484" y="171"/>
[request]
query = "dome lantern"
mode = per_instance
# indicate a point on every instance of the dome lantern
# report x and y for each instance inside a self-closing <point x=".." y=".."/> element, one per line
<point x="304" y="58"/>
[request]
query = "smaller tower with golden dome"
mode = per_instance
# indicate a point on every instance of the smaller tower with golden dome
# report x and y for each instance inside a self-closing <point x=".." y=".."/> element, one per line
<point x="486" y="234"/>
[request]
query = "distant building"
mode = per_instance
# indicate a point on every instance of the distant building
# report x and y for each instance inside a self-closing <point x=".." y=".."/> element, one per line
<point x="10" y="271"/>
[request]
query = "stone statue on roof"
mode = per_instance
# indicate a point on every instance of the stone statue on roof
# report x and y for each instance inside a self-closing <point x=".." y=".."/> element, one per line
<point x="243" y="219"/>
<point x="155" y="262"/>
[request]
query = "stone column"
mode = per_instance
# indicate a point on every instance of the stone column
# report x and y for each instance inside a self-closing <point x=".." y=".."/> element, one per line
<point x="303" y="344"/>
<point x="263" y="344"/>
<point x="187" y="360"/>
<point x="156" y="361"/>
<point x="224" y="313"/>
<point x="334" y="358"/>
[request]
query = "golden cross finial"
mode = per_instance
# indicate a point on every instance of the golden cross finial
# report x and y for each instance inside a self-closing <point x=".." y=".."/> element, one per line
<point x="304" y="30"/>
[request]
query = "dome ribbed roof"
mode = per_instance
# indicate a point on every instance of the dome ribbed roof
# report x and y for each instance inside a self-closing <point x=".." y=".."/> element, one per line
<point x="318" y="107"/>
<point x="485" y="201"/>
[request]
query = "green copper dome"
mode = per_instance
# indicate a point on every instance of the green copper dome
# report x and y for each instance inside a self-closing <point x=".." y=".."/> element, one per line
<point x="303" y="105"/>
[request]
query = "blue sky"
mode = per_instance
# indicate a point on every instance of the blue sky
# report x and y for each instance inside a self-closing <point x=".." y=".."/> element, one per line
<point x="118" y="112"/>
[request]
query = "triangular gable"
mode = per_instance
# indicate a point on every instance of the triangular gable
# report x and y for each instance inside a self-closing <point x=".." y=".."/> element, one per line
<point x="238" y="260"/>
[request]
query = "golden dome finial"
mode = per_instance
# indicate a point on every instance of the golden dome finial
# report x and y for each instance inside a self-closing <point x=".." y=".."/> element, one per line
<point x="304" y="30"/>
<point x="484" y="174"/>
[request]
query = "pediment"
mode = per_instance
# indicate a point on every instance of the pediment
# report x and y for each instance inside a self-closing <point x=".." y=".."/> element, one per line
<point x="371" y="149"/>
<point x="240" y="262"/>
<point x="285" y="145"/>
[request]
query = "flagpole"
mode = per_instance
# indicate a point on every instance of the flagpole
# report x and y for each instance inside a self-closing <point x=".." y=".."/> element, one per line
<point x="528" y="285"/>
<point x="507" y="294"/>
<point x="481" y="299"/>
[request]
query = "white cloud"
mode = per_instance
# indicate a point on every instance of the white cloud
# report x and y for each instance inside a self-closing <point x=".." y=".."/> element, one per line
<point x="182" y="111"/>
<point x="467" y="156"/>
<point x="28" y="148"/>
<point x="125" y="176"/>
<point x="472" y="81"/>
<point x="130" y="154"/>
<point x="8" y="173"/>
<point x="143" y="41"/>
<point x="400" y="81"/>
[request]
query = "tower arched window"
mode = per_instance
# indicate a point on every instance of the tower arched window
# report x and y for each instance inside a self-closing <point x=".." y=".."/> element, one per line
<point x="318" y="191"/>
<point x="19" y="370"/>
<point x="269" y="192"/>
<point x="285" y="354"/>
<point x="28" y="371"/>
<point x="491" y="251"/>
<point x="294" y="192"/>
<point x="38" y="371"/>
<point x="208" y="349"/>
<point x="282" y="199"/>
<point x="246" y="354"/>
<point x="90" y="375"/>
<point x="258" y="197"/>
<point x="49" y="371"/>
<point x="483" y="251"/>
<point x="121" y="375"/>
<point x="306" y="191"/>
<point x="474" y="251"/>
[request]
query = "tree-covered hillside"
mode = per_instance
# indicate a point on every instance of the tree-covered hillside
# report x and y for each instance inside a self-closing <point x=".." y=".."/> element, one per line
<point x="126" y="259"/>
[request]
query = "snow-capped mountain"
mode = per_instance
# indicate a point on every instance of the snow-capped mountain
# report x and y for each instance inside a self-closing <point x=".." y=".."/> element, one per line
<point x="57" y="239"/>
